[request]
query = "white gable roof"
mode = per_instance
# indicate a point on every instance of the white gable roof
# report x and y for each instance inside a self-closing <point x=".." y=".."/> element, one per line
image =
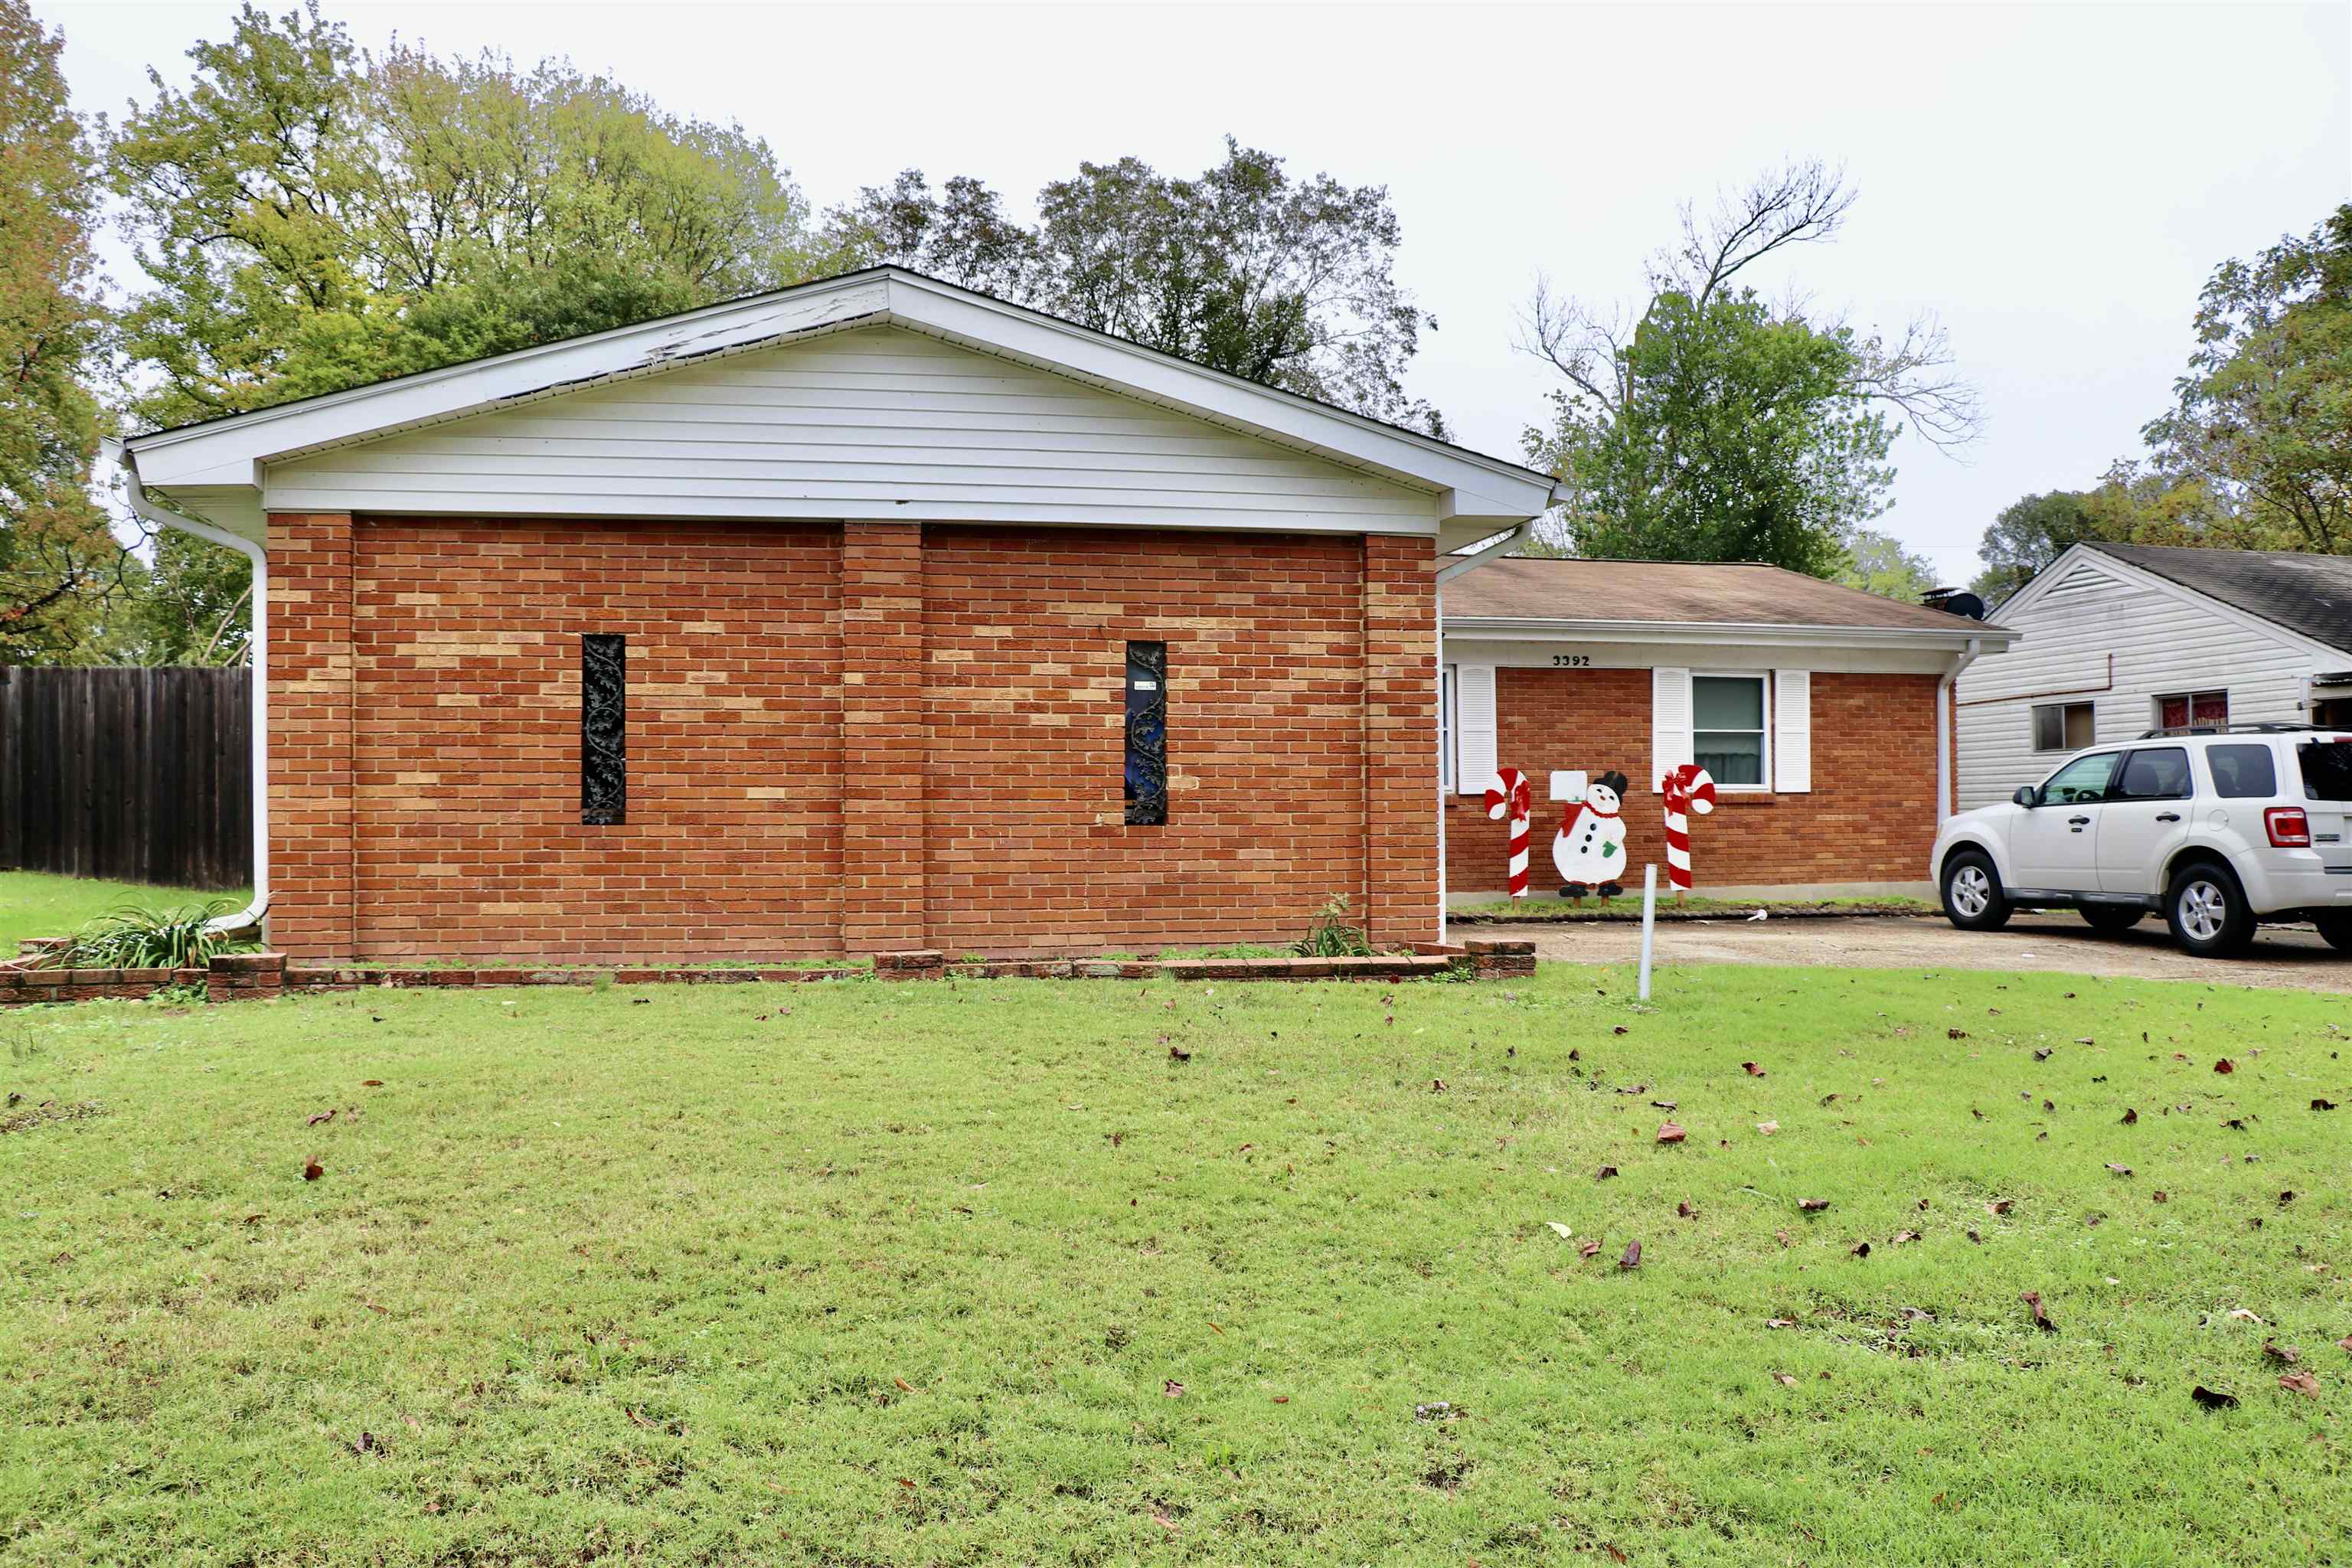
<point x="230" y="468"/>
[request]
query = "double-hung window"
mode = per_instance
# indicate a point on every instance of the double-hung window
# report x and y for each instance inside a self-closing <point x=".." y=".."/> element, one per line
<point x="1729" y="737"/>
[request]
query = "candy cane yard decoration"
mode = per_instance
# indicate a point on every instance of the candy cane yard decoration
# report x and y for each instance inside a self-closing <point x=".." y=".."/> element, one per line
<point x="1509" y="792"/>
<point x="1687" y="788"/>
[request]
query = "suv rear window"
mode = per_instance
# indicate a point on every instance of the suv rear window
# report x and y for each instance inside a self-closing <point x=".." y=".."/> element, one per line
<point x="2327" y="770"/>
<point x="2242" y="773"/>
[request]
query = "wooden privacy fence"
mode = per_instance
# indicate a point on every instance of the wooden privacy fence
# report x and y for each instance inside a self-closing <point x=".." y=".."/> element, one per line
<point x="135" y="776"/>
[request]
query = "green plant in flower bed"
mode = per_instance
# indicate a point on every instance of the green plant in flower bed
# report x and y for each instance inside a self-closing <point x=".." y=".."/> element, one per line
<point x="978" y="1272"/>
<point x="1332" y="935"/>
<point x="137" y="937"/>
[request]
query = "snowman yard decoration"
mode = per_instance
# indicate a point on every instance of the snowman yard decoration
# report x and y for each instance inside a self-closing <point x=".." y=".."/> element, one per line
<point x="1590" y="848"/>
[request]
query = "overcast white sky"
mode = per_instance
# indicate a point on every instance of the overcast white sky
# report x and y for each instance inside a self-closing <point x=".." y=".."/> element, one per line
<point x="2054" y="182"/>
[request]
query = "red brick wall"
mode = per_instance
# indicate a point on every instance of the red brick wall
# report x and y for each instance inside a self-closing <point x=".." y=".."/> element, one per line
<point x="838" y="739"/>
<point x="310" y="733"/>
<point x="1025" y="633"/>
<point x="1869" y="816"/>
<point x="469" y="841"/>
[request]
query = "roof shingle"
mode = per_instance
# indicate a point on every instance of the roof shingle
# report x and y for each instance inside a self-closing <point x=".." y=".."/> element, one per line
<point x="2310" y="594"/>
<point x="1719" y="593"/>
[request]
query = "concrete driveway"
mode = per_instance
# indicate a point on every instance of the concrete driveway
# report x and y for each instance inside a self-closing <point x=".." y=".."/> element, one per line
<point x="2291" y="956"/>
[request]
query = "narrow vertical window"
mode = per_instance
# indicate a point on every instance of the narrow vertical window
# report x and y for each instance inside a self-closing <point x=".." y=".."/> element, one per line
<point x="603" y="733"/>
<point x="1147" y="734"/>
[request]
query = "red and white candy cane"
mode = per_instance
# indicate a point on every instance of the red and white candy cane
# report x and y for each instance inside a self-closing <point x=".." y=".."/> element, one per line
<point x="1510" y="792"/>
<point x="1688" y="788"/>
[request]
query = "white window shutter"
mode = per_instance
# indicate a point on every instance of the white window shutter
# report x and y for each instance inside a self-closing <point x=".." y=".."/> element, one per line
<point x="1473" y="728"/>
<point x="1670" y="721"/>
<point x="1792" y="719"/>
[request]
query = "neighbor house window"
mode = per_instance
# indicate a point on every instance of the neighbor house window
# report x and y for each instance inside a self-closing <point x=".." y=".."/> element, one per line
<point x="2062" y="726"/>
<point x="1728" y="736"/>
<point x="2193" y="710"/>
<point x="1147" y="734"/>
<point x="603" y="733"/>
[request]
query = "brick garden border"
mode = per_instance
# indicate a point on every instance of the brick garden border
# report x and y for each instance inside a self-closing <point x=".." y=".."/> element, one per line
<point x="254" y="976"/>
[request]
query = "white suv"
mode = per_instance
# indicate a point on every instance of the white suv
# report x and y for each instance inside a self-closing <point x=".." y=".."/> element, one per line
<point x="2217" y="829"/>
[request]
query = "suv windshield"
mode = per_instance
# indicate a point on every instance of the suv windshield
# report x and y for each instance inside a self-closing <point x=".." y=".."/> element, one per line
<point x="2327" y="770"/>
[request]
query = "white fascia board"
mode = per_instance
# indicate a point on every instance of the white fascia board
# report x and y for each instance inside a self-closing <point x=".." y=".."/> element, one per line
<point x="1726" y="634"/>
<point x="235" y="451"/>
<point x="2126" y="572"/>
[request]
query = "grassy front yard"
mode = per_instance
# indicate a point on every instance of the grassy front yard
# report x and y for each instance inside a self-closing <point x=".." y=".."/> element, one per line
<point x="33" y="903"/>
<point x="977" y="1273"/>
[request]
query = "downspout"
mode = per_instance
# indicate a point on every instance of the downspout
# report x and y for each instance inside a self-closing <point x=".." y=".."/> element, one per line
<point x="157" y="515"/>
<point x="1944" y="739"/>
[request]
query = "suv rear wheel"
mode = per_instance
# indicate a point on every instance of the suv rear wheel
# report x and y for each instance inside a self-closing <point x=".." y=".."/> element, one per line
<point x="1972" y="897"/>
<point x="2109" y="919"/>
<point x="2338" y="930"/>
<point x="2208" y="912"/>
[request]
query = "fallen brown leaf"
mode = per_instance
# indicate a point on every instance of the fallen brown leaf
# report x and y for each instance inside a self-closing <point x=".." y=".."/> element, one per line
<point x="312" y="1171"/>
<point x="2214" y="1399"/>
<point x="2131" y="1117"/>
<point x="1633" y="1259"/>
<point x="2301" y="1383"/>
<point x="1590" y="1248"/>
<point x="1862" y="1250"/>
<point x="2119" y="1170"/>
<point x="2041" y="1319"/>
<point x="2162" y="1196"/>
<point x="2323" y="1105"/>
<point x="1684" y="1210"/>
<point x="2225" y="1065"/>
<point x="371" y="1083"/>
<point x="2286" y="1355"/>
<point x="1177" y="1053"/>
<point x="1751" y="1069"/>
<point x="1172" y="1389"/>
<point x="1784" y="1379"/>
<point x="1779" y="1323"/>
<point x="1812" y="1205"/>
<point x="1670" y="1133"/>
<point x="1767" y="1127"/>
<point x="1603" y="1174"/>
<point x="326" y="1115"/>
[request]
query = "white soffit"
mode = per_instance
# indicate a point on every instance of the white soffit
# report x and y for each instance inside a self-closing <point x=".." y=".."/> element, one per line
<point x="232" y="453"/>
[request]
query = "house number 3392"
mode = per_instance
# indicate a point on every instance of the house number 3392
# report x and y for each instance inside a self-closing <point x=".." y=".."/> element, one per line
<point x="1572" y="661"/>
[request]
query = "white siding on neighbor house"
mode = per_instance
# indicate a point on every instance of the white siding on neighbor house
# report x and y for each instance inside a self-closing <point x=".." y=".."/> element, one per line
<point x="873" y="422"/>
<point x="2163" y="642"/>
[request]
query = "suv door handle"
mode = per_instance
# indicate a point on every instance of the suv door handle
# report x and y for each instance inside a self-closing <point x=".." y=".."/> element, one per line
<point x="2168" y="817"/>
<point x="2077" y="821"/>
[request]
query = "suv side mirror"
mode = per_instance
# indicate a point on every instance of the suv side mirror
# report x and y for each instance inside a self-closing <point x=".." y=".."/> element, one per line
<point x="2027" y="795"/>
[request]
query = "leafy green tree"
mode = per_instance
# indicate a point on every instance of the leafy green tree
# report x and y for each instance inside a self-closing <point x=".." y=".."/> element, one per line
<point x="2029" y="534"/>
<point x="56" y="556"/>
<point x="1280" y="280"/>
<point x="190" y="604"/>
<point x="2263" y="420"/>
<point x="311" y="217"/>
<point x="1714" y="424"/>
<point x="1877" y="563"/>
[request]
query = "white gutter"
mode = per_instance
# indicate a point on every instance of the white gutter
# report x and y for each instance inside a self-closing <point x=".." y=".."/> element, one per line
<point x="1458" y="565"/>
<point x="151" y="512"/>
<point x="1548" y="629"/>
<point x="1945" y="762"/>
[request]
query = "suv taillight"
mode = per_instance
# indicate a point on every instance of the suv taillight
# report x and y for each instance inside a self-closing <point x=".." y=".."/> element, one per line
<point x="2288" y="828"/>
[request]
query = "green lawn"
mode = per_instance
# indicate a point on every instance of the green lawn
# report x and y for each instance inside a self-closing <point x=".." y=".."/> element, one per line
<point x="33" y="903"/>
<point x="976" y="1273"/>
<point x="1544" y="904"/>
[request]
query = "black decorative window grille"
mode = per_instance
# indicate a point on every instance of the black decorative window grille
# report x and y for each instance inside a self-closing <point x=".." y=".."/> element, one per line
<point x="603" y="729"/>
<point x="1147" y="734"/>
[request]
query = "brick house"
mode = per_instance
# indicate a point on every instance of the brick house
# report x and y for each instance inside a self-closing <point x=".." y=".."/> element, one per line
<point x="1822" y="714"/>
<point x="864" y="614"/>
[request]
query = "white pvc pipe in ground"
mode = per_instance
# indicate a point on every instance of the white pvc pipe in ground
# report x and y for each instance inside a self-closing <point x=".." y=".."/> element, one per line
<point x="1649" y="921"/>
